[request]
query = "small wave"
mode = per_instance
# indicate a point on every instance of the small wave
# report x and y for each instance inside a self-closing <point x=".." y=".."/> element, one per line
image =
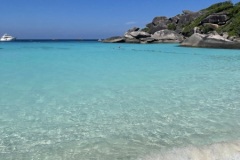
<point x="218" y="151"/>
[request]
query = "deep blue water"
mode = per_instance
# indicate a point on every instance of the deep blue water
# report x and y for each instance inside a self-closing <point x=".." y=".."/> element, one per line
<point x="97" y="101"/>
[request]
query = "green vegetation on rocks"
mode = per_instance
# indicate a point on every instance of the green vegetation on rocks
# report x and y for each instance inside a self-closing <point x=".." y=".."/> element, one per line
<point x="233" y="26"/>
<point x="171" y="26"/>
<point x="216" y="8"/>
<point x="221" y="17"/>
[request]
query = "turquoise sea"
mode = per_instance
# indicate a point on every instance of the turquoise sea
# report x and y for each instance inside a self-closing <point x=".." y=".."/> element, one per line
<point x="97" y="101"/>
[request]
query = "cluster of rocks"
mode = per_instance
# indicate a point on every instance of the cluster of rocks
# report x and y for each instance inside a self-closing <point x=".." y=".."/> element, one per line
<point x="178" y="22"/>
<point x="216" y="18"/>
<point x="213" y="40"/>
<point x="163" y="29"/>
<point x="184" y="29"/>
<point x="175" y="23"/>
<point x="135" y="35"/>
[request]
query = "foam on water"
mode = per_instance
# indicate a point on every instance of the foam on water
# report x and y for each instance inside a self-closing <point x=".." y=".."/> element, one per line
<point x="104" y="101"/>
<point x="218" y="151"/>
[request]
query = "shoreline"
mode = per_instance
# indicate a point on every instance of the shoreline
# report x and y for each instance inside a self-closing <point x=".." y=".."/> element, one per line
<point x="216" y="151"/>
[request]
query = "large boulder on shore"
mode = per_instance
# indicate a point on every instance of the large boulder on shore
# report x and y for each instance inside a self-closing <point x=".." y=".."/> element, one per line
<point x="116" y="39"/>
<point x="158" y="23"/>
<point x="167" y="36"/>
<point x="209" y="41"/>
<point x="133" y="33"/>
<point x="128" y="35"/>
<point x="147" y="40"/>
<point x="220" y="19"/>
<point x="139" y="34"/>
<point x="178" y="21"/>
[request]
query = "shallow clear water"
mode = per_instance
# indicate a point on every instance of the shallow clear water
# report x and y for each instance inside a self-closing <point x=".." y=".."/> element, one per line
<point x="89" y="100"/>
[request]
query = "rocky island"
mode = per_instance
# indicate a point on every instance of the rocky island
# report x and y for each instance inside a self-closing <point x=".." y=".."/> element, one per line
<point x="217" y="26"/>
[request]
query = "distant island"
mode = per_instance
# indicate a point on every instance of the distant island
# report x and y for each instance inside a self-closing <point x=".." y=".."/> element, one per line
<point x="217" y="26"/>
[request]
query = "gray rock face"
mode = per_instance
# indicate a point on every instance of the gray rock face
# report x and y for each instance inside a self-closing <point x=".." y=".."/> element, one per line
<point x="187" y="12"/>
<point x="158" y="23"/>
<point x="159" y="20"/>
<point x="193" y="41"/>
<point x="139" y="34"/>
<point x="219" y="19"/>
<point x="132" y="40"/>
<point x="237" y="40"/>
<point x="128" y="35"/>
<point x="161" y="23"/>
<point x="167" y="35"/>
<point x="209" y="41"/>
<point x="166" y="41"/>
<point x="153" y="28"/>
<point x="133" y="29"/>
<point x="211" y="26"/>
<point x="162" y="36"/>
<point x="186" y="19"/>
<point x="225" y="35"/>
<point x="147" y="40"/>
<point x="116" y="39"/>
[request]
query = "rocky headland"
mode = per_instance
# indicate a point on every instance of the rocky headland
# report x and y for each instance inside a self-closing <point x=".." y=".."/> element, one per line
<point x="135" y="35"/>
<point x="217" y="26"/>
<point x="210" y="41"/>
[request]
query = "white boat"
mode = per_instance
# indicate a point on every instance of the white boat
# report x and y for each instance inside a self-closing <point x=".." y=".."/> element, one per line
<point x="7" y="37"/>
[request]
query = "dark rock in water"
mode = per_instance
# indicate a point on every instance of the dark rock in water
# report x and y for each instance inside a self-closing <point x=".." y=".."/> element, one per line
<point x="209" y="41"/>
<point x="216" y="19"/>
<point x="116" y="39"/>
<point x="167" y="35"/>
<point x="132" y="40"/>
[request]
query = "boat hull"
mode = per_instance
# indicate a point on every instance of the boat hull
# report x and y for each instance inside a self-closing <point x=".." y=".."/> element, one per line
<point x="6" y="38"/>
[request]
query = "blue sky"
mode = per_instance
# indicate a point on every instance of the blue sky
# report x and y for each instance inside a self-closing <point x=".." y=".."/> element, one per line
<point x="85" y="18"/>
